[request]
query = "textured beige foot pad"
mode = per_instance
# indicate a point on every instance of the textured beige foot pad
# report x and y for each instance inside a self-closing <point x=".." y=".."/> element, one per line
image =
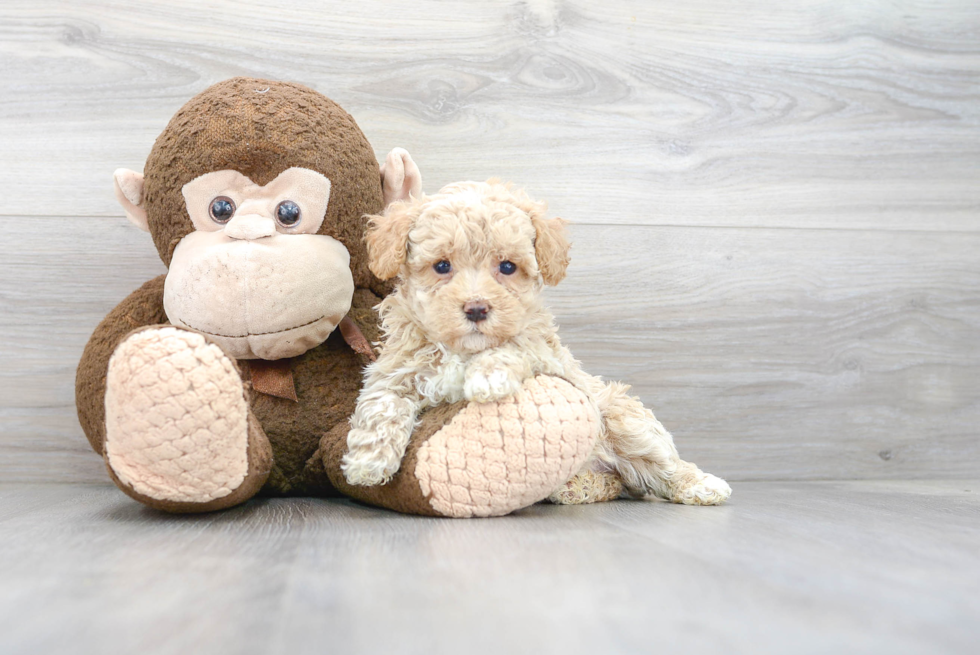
<point x="494" y="458"/>
<point x="176" y="417"/>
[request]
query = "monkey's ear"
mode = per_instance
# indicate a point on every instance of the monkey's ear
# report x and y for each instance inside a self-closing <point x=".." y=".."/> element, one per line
<point x="400" y="177"/>
<point x="387" y="237"/>
<point x="551" y="247"/>
<point x="129" y="192"/>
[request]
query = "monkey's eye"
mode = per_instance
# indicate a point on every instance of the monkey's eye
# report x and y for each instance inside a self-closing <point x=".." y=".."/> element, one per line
<point x="442" y="267"/>
<point x="508" y="267"/>
<point x="287" y="213"/>
<point x="222" y="209"/>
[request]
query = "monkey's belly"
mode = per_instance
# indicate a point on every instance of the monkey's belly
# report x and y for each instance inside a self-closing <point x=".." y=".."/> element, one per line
<point x="327" y="379"/>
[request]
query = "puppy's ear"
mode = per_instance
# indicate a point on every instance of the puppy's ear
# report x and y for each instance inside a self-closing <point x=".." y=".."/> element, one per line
<point x="387" y="238"/>
<point x="551" y="244"/>
<point x="551" y="247"/>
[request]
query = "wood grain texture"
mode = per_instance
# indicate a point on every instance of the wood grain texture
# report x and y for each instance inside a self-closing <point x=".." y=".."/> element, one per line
<point x="769" y="353"/>
<point x="776" y="213"/>
<point x="777" y="205"/>
<point x="789" y="354"/>
<point x="813" y="113"/>
<point x="859" y="567"/>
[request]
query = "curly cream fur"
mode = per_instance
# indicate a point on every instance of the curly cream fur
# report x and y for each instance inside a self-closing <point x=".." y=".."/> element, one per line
<point x="432" y="353"/>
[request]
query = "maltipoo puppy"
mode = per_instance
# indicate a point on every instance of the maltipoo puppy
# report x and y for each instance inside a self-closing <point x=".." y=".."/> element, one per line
<point x="466" y="322"/>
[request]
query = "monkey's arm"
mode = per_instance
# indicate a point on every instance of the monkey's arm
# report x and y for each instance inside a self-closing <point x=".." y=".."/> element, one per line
<point x="141" y="308"/>
<point x="468" y="459"/>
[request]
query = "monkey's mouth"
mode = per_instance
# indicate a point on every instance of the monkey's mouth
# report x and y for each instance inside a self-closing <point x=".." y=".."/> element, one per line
<point x="259" y="300"/>
<point x="252" y="334"/>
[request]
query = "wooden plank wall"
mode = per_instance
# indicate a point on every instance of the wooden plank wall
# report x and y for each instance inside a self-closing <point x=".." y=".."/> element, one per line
<point x="775" y="205"/>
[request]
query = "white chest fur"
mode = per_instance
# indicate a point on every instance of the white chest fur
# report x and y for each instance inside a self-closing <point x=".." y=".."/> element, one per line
<point x="443" y="383"/>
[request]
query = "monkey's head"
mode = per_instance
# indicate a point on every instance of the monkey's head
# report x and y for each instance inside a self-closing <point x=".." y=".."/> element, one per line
<point x="255" y="195"/>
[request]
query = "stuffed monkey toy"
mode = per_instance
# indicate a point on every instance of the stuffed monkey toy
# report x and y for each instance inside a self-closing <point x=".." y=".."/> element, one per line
<point x="236" y="372"/>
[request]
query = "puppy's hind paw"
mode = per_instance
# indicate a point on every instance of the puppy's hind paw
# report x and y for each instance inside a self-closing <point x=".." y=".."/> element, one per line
<point x="709" y="490"/>
<point x="488" y="386"/>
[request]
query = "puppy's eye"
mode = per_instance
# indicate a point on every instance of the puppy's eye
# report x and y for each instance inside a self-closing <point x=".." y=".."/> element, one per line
<point x="222" y="209"/>
<point x="508" y="267"/>
<point x="287" y="213"/>
<point x="442" y="267"/>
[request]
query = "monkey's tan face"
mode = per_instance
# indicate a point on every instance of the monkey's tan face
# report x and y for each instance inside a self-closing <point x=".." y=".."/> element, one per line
<point x="255" y="276"/>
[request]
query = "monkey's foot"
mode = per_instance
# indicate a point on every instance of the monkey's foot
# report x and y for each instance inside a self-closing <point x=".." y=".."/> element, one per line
<point x="484" y="459"/>
<point x="587" y="487"/>
<point x="494" y="458"/>
<point x="179" y="433"/>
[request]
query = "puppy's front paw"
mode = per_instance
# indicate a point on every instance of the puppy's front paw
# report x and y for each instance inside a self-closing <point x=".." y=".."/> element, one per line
<point x="709" y="490"/>
<point x="367" y="468"/>
<point x="484" y="386"/>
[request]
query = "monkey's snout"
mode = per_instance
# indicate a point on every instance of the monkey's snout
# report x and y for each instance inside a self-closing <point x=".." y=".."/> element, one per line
<point x="250" y="226"/>
<point x="476" y="311"/>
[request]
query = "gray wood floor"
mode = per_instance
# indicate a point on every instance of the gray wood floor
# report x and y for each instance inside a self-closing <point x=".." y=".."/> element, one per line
<point x="819" y="567"/>
<point x="776" y="208"/>
<point x="776" y="225"/>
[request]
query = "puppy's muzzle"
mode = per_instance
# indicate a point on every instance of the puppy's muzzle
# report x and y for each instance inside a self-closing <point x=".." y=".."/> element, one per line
<point x="476" y="311"/>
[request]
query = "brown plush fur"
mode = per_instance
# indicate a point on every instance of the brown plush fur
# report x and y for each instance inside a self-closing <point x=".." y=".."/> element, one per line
<point x="402" y="493"/>
<point x="141" y="308"/>
<point x="260" y="128"/>
<point x="259" y="463"/>
<point x="327" y="379"/>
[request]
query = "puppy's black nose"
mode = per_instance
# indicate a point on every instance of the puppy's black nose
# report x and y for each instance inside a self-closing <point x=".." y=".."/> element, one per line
<point x="476" y="311"/>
